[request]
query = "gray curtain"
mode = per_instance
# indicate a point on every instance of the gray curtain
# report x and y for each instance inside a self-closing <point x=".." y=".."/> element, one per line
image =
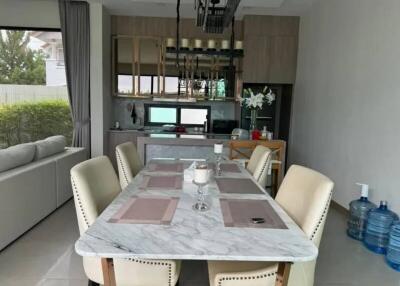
<point x="74" y="18"/>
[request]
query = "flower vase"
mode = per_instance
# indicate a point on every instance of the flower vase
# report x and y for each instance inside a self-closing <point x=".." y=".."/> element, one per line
<point x="253" y="120"/>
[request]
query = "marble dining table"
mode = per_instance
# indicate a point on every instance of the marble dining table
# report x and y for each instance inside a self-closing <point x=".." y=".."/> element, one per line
<point x="194" y="235"/>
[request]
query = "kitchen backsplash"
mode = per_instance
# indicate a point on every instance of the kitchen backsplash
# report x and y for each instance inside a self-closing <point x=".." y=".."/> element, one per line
<point x="122" y="109"/>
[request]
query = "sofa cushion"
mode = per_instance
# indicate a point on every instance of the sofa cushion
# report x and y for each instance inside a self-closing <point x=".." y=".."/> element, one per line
<point x="16" y="156"/>
<point x="49" y="146"/>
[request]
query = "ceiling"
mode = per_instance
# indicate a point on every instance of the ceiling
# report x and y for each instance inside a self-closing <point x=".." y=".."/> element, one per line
<point x="167" y="8"/>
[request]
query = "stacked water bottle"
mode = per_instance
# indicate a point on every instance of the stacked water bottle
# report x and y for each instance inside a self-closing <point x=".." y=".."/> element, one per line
<point x="377" y="227"/>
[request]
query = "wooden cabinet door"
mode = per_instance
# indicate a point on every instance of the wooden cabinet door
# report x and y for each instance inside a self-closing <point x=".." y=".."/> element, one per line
<point x="256" y="60"/>
<point x="283" y="59"/>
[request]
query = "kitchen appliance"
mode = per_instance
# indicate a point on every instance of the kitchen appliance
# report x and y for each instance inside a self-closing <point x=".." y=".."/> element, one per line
<point x="224" y="126"/>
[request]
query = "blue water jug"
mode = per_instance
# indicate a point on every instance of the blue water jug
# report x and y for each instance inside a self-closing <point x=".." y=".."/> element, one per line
<point x="379" y="222"/>
<point x="393" y="250"/>
<point x="359" y="209"/>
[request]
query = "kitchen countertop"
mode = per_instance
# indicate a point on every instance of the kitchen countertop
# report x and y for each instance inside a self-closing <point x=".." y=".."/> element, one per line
<point x="158" y="133"/>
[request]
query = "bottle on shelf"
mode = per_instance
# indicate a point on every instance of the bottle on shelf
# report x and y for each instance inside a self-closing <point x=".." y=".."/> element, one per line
<point x="359" y="209"/>
<point x="264" y="132"/>
<point x="393" y="250"/>
<point x="379" y="223"/>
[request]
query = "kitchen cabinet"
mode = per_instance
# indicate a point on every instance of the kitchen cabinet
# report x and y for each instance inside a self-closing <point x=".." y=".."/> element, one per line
<point x="270" y="49"/>
<point x="256" y="61"/>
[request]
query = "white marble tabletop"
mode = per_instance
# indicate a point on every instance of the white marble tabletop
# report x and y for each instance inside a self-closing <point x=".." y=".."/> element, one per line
<point x="194" y="235"/>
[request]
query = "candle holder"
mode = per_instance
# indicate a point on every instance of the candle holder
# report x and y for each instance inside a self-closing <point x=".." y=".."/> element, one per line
<point x="200" y="204"/>
<point x="218" y="170"/>
<point x="218" y="149"/>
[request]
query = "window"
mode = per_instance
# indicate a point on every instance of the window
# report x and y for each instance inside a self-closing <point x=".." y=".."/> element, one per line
<point x="171" y="85"/>
<point x="33" y="92"/>
<point x="193" y="116"/>
<point x="187" y="115"/>
<point x="162" y="115"/>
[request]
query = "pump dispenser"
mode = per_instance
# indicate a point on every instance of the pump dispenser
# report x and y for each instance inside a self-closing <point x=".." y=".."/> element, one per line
<point x="359" y="209"/>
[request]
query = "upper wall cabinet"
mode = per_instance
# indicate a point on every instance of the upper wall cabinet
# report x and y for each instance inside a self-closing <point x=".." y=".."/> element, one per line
<point x="270" y="49"/>
<point x="136" y="66"/>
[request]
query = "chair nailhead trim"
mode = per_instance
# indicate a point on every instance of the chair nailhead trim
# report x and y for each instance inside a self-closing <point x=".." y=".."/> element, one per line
<point x="322" y="217"/>
<point x="265" y="165"/>
<point x="151" y="262"/>
<point x="254" y="277"/>
<point x="78" y="199"/>
<point x="122" y="166"/>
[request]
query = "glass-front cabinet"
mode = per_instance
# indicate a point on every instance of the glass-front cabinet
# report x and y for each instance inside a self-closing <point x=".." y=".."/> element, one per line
<point x="144" y="67"/>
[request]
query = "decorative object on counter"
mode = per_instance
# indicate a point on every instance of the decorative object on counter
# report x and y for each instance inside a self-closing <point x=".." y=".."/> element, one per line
<point x="205" y="126"/>
<point x="255" y="102"/>
<point x="264" y="132"/>
<point x="255" y="134"/>
<point x="393" y="250"/>
<point x="180" y="129"/>
<point x="117" y="126"/>
<point x="359" y="209"/>
<point x="201" y="178"/>
<point x="168" y="127"/>
<point x="379" y="222"/>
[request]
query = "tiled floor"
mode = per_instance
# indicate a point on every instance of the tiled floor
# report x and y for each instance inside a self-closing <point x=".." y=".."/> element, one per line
<point x="45" y="256"/>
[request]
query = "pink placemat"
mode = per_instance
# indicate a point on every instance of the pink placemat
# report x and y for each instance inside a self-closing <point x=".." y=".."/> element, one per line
<point x="239" y="213"/>
<point x="161" y="182"/>
<point x="229" y="167"/>
<point x="138" y="210"/>
<point x="226" y="167"/>
<point x="237" y="186"/>
<point x="166" y="167"/>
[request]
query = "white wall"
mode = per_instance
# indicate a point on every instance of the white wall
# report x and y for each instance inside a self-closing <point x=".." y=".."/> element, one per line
<point x="100" y="77"/>
<point x="37" y="14"/>
<point x="346" y="111"/>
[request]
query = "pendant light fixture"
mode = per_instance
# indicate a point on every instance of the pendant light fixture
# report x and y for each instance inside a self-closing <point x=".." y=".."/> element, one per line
<point x="213" y="16"/>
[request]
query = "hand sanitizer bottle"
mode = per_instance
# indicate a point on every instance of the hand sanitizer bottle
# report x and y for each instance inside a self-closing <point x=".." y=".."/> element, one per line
<point x="359" y="209"/>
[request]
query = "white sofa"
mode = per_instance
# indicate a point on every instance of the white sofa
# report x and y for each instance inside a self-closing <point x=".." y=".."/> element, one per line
<point x="30" y="192"/>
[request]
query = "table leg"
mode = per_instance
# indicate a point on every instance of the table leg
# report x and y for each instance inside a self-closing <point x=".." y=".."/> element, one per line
<point x="282" y="277"/>
<point x="107" y="266"/>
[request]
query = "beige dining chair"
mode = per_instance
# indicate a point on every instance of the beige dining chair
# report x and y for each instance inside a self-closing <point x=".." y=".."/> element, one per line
<point x="128" y="161"/>
<point x="259" y="164"/>
<point x="95" y="185"/>
<point x="305" y="195"/>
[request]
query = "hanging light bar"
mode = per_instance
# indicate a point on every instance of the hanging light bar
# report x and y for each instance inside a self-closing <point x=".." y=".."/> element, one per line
<point x="214" y="17"/>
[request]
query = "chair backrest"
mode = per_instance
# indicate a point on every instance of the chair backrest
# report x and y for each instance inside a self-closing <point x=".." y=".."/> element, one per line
<point x="128" y="161"/>
<point x="305" y="195"/>
<point x="94" y="185"/>
<point x="259" y="164"/>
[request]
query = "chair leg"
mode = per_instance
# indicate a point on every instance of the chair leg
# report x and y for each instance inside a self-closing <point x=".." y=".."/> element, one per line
<point x="91" y="283"/>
